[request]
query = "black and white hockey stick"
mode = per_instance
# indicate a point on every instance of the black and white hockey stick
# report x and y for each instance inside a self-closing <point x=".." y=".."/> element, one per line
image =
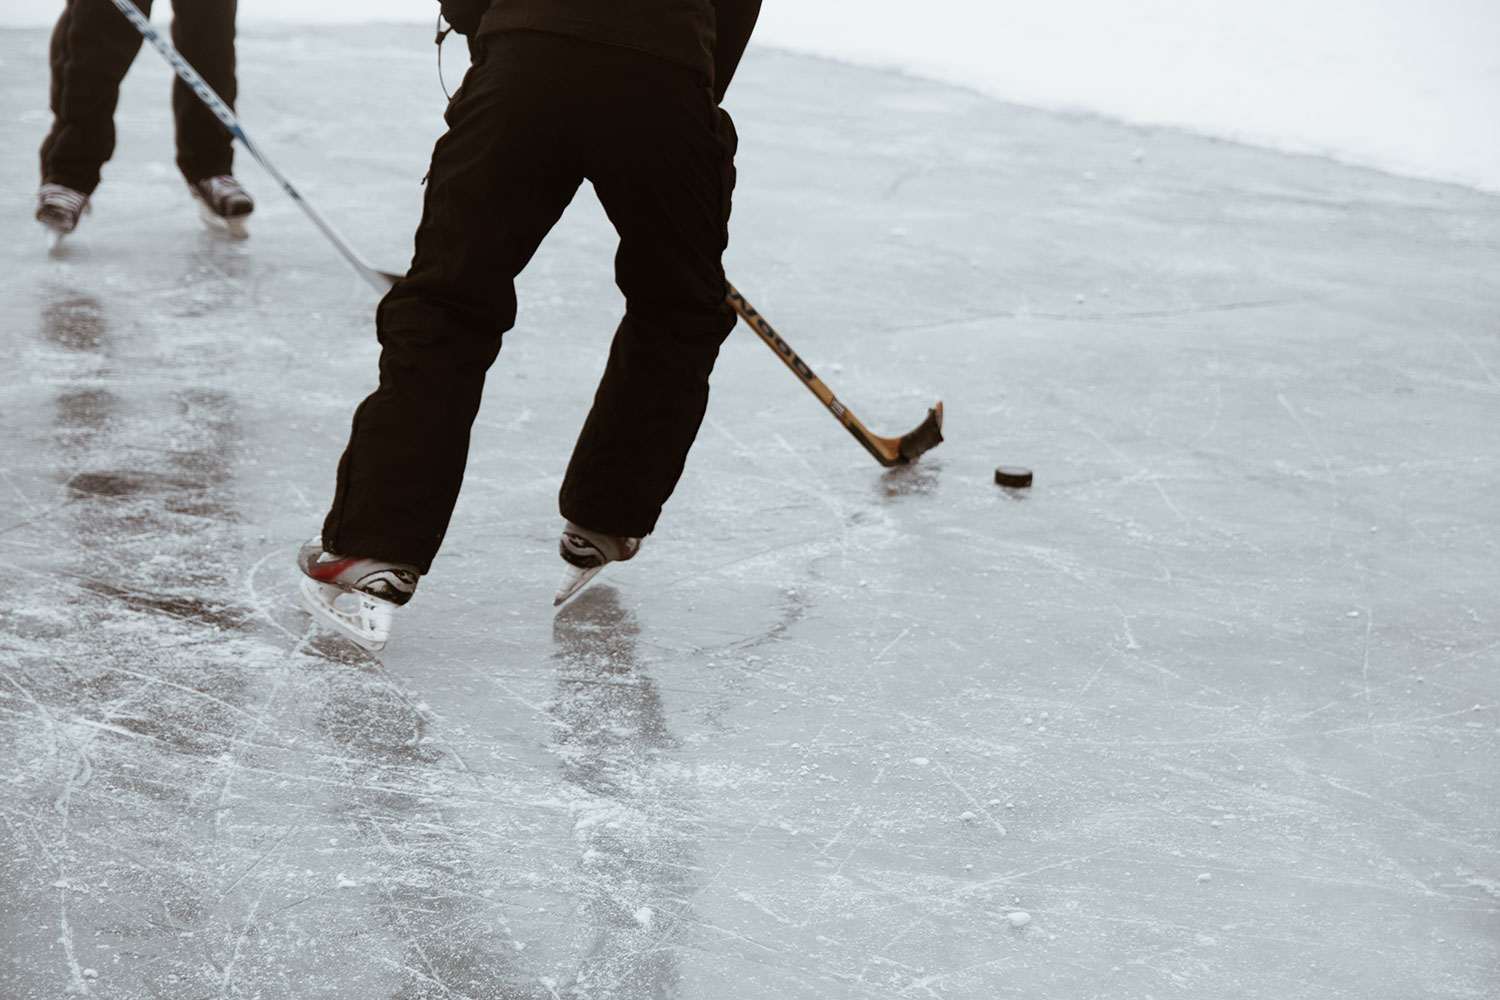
<point x="887" y="451"/>
<point x="381" y="281"/>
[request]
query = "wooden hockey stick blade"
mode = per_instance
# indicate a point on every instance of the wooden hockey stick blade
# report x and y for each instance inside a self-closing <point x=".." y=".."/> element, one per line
<point x="927" y="435"/>
<point x="905" y="449"/>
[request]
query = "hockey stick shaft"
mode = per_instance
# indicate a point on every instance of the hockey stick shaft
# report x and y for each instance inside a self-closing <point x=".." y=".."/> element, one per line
<point x="379" y="280"/>
<point x="887" y="451"/>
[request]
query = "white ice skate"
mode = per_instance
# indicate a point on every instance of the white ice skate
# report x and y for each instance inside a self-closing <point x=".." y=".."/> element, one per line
<point x="354" y="596"/>
<point x="586" y="553"/>
<point x="223" y="204"/>
<point x="58" y="208"/>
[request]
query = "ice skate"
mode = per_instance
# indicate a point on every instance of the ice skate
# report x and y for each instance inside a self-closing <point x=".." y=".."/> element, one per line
<point x="354" y="596"/>
<point x="58" y="208"/>
<point x="586" y="553"/>
<point x="223" y="204"/>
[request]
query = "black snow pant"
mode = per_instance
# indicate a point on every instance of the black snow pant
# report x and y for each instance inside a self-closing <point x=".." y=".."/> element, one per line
<point x="536" y="115"/>
<point x="92" y="47"/>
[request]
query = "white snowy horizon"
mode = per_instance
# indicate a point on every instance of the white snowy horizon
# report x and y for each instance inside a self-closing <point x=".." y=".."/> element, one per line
<point x="1407" y="86"/>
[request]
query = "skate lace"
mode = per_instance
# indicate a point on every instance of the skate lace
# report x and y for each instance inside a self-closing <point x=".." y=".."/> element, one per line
<point x="65" y="198"/>
<point x="220" y="190"/>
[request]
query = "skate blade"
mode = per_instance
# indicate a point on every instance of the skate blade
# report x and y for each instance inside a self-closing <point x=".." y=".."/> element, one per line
<point x="232" y="226"/>
<point x="573" y="580"/>
<point x="369" y="626"/>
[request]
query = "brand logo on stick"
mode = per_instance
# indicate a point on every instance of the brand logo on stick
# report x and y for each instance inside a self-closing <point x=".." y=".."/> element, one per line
<point x="773" y="338"/>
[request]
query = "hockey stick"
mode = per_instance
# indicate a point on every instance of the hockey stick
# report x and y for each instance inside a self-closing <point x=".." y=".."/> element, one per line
<point x="887" y="451"/>
<point x="381" y="281"/>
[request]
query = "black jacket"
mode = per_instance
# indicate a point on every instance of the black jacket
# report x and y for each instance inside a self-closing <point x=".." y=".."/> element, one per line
<point x="705" y="35"/>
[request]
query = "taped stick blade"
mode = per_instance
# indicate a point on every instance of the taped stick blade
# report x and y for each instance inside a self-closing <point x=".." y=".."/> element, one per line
<point x="927" y="435"/>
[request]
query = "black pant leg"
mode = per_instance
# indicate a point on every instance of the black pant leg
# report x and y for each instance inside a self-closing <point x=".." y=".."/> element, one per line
<point x="661" y="157"/>
<point x="92" y="48"/>
<point x="203" y="31"/>
<point x="501" y="177"/>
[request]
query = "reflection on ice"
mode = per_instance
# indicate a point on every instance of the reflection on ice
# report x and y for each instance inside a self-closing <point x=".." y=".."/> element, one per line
<point x="83" y="413"/>
<point x="128" y="483"/>
<point x="919" y="479"/>
<point x="633" y="829"/>
<point x="75" y="323"/>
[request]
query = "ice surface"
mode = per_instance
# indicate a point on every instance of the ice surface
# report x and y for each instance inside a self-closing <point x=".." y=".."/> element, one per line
<point x="836" y="729"/>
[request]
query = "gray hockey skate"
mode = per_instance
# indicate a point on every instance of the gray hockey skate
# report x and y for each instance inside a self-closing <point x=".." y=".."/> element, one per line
<point x="58" y="208"/>
<point x="586" y="553"/>
<point x="223" y="204"/>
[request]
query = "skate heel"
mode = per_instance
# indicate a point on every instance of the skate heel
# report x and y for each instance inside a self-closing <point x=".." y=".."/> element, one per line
<point x="232" y="226"/>
<point x="367" y="622"/>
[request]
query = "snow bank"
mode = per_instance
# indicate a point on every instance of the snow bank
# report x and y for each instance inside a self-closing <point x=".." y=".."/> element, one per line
<point x="1411" y="86"/>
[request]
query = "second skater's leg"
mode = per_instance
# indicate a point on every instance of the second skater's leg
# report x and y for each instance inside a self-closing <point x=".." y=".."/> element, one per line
<point x="203" y="31"/>
<point x="92" y="47"/>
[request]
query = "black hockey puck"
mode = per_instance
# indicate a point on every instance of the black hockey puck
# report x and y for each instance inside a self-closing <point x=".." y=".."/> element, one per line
<point x="1012" y="475"/>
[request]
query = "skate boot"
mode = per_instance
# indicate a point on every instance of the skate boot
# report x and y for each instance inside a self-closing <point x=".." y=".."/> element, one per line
<point x="58" y="208"/>
<point x="223" y="204"/>
<point x="370" y="590"/>
<point x="586" y="553"/>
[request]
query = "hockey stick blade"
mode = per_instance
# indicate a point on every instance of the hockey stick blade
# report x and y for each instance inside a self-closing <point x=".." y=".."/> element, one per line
<point x="927" y="435"/>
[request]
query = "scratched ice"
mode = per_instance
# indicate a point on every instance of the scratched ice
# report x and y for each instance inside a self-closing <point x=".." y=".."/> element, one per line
<point x="1214" y="704"/>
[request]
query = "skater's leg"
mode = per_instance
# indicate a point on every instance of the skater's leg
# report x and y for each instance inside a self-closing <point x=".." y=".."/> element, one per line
<point x="92" y="47"/>
<point x="662" y="161"/>
<point x="203" y="31"/>
<point x="501" y="176"/>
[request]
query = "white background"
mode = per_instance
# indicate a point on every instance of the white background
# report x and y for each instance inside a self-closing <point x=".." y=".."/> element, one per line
<point x="1412" y="86"/>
